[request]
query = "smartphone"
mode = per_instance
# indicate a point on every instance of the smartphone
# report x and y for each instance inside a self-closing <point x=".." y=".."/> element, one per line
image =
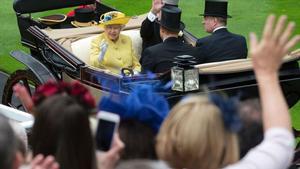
<point x="108" y="123"/>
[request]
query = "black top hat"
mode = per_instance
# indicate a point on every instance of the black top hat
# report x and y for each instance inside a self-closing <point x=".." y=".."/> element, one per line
<point x="83" y="17"/>
<point x="217" y="8"/>
<point x="170" y="18"/>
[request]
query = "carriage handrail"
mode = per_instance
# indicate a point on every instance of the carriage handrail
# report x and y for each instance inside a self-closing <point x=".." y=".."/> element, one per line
<point x="31" y="6"/>
<point x="55" y="47"/>
<point x="239" y="65"/>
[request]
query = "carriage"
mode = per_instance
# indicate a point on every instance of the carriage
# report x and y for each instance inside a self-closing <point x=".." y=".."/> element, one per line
<point x="60" y="52"/>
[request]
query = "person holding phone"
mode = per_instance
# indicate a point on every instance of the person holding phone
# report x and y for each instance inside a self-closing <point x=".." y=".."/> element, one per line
<point x="108" y="124"/>
<point x="141" y="114"/>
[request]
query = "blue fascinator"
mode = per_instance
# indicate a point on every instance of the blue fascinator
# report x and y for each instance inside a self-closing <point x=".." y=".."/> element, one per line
<point x="142" y="104"/>
<point x="229" y="111"/>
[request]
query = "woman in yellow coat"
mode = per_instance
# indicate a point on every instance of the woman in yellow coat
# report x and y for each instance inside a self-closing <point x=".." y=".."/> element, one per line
<point x="112" y="50"/>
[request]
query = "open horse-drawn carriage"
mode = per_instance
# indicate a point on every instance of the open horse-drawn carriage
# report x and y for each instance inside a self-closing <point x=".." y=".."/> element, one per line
<point x="60" y="52"/>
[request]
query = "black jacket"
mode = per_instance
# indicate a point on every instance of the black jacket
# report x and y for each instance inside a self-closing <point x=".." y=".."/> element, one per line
<point x="222" y="45"/>
<point x="159" y="58"/>
<point x="150" y="33"/>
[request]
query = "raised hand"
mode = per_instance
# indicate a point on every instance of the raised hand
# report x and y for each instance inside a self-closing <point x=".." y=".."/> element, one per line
<point x="22" y="93"/>
<point x="268" y="53"/>
<point x="266" y="58"/>
<point x="41" y="162"/>
<point x="109" y="159"/>
<point x="156" y="6"/>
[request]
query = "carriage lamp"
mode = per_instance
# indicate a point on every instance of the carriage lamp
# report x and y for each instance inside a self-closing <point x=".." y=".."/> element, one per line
<point x="184" y="76"/>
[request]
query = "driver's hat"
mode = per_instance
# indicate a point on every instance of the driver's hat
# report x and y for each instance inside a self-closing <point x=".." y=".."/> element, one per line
<point x="113" y="18"/>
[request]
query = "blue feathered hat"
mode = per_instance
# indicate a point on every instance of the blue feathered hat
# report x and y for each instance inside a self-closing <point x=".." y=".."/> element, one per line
<point x="229" y="112"/>
<point x="142" y="104"/>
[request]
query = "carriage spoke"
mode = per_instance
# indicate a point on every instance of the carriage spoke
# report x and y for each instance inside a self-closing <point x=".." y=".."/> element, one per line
<point x="11" y="105"/>
<point x="19" y="106"/>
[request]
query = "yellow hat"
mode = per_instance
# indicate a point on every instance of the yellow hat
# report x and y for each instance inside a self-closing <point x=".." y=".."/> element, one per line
<point x="113" y="18"/>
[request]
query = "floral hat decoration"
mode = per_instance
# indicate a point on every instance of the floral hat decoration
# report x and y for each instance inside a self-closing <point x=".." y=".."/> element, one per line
<point x="142" y="104"/>
<point x="74" y="89"/>
<point x="113" y="18"/>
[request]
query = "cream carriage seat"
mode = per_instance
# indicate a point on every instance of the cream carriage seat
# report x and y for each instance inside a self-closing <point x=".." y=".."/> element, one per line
<point x="81" y="48"/>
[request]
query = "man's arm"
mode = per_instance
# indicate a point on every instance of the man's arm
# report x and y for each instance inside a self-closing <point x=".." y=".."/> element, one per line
<point x="245" y="47"/>
<point x="147" y="27"/>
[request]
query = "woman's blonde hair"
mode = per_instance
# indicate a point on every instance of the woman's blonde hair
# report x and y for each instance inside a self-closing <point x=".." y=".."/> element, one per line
<point x="193" y="136"/>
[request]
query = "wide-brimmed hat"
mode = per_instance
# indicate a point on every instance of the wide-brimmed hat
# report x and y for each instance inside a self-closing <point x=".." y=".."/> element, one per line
<point x="170" y="18"/>
<point x="113" y="18"/>
<point x="217" y="8"/>
<point x="53" y="19"/>
<point x="84" y="17"/>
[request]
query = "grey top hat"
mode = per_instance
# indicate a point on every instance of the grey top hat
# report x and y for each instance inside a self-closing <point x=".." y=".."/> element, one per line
<point x="171" y="2"/>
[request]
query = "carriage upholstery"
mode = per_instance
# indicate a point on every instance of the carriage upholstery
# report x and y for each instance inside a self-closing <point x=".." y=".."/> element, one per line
<point x="81" y="48"/>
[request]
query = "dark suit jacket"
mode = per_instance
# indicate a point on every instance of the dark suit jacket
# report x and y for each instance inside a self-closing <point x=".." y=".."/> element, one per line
<point x="222" y="45"/>
<point x="159" y="58"/>
<point x="150" y="33"/>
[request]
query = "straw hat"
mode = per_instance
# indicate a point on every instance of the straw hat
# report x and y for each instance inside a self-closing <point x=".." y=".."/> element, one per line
<point x="53" y="19"/>
<point x="113" y="18"/>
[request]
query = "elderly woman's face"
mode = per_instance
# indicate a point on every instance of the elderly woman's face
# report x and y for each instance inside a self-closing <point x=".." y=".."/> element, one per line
<point x="113" y="31"/>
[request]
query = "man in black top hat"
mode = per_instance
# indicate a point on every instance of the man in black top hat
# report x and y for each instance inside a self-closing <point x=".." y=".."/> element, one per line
<point x="150" y="29"/>
<point x="159" y="58"/>
<point x="221" y="44"/>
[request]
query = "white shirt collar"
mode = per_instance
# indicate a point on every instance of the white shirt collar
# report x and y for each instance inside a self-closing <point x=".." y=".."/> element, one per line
<point x="220" y="27"/>
<point x="151" y="16"/>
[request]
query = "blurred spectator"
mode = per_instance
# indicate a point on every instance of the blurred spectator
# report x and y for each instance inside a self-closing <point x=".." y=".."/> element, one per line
<point x="9" y="157"/>
<point x="10" y="154"/>
<point x="142" y="113"/>
<point x="251" y="133"/>
<point x="62" y="129"/>
<point x="142" y="164"/>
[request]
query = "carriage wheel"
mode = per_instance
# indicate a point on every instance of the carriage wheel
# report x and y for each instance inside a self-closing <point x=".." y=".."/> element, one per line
<point x="24" y="77"/>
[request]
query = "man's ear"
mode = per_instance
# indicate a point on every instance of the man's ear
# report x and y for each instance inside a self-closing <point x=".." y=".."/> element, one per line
<point x="161" y="32"/>
<point x="18" y="160"/>
<point x="216" y="22"/>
